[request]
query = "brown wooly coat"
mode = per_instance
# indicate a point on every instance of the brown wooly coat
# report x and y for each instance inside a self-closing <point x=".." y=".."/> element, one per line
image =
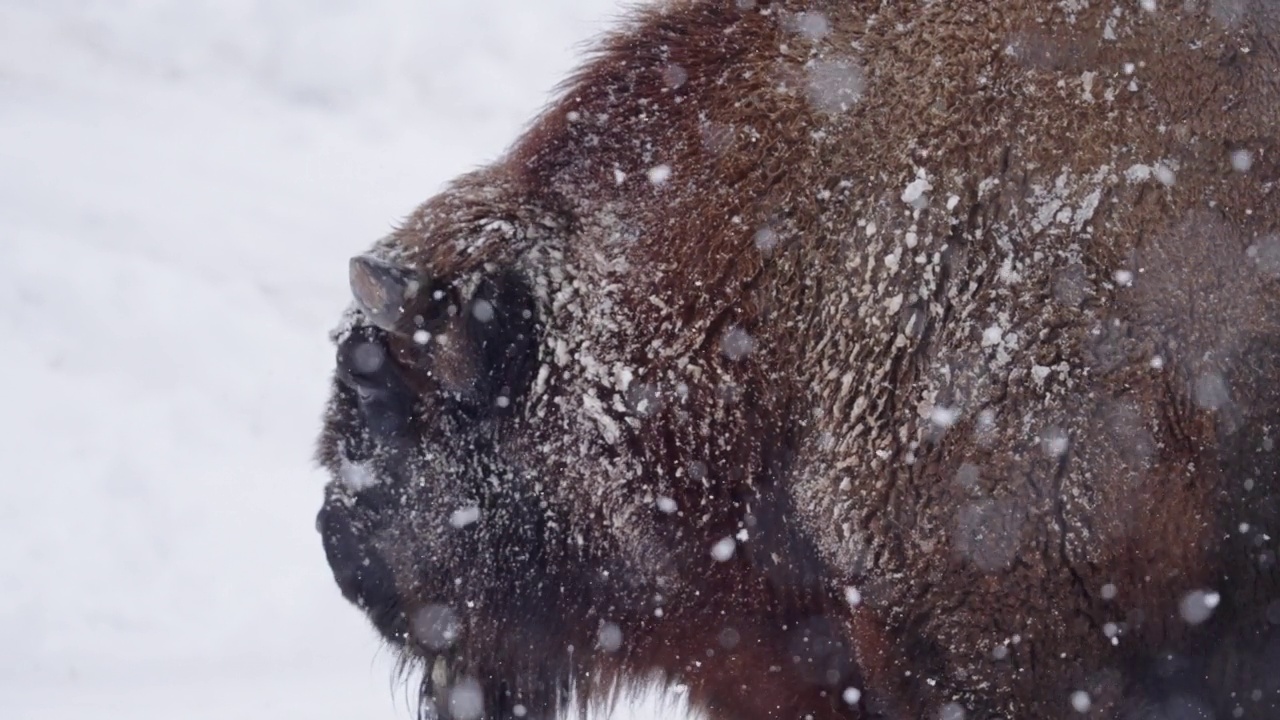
<point x="929" y="350"/>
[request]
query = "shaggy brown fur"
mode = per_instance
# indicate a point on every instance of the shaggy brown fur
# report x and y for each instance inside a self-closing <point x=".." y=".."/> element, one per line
<point x="841" y="359"/>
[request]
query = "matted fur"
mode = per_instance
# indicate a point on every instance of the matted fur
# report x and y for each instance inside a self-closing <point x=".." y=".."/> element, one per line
<point x="927" y="349"/>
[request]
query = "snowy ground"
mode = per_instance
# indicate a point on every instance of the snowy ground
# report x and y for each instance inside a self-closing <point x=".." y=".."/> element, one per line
<point x="181" y="183"/>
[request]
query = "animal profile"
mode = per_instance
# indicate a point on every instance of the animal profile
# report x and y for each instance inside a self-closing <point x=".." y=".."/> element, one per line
<point x="839" y="360"/>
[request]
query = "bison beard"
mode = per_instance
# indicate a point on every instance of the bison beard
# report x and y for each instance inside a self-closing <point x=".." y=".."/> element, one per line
<point x="839" y="359"/>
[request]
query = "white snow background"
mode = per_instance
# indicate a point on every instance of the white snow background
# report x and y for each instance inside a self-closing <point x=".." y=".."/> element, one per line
<point x="181" y="184"/>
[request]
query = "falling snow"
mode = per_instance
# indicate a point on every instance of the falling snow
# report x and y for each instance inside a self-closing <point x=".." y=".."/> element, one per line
<point x="466" y="700"/>
<point x="944" y="417"/>
<point x="1241" y="160"/>
<point x="723" y="549"/>
<point x="812" y="25"/>
<point x="436" y="626"/>
<point x="766" y="239"/>
<point x="1198" y="605"/>
<point x="659" y="174"/>
<point x="482" y="310"/>
<point x="609" y="639"/>
<point x="463" y="517"/>
<point x="737" y="344"/>
<point x="367" y="358"/>
<point x="1055" y="442"/>
<point x="835" y="85"/>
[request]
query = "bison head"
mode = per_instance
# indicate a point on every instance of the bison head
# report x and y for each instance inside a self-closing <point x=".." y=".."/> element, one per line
<point x="429" y="524"/>
<point x="522" y="486"/>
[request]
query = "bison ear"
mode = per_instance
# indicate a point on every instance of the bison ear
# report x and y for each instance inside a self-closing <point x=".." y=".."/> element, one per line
<point x="382" y="289"/>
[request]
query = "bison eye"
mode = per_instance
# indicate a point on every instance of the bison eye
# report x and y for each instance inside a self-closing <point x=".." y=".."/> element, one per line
<point x="477" y="351"/>
<point x="501" y="332"/>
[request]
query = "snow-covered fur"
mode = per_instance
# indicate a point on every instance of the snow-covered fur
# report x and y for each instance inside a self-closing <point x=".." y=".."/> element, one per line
<point x="840" y="359"/>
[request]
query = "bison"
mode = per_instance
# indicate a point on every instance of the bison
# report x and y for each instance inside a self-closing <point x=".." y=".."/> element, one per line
<point x="839" y="359"/>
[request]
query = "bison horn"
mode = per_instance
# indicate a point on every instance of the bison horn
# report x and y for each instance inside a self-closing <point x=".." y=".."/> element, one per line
<point x="382" y="289"/>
